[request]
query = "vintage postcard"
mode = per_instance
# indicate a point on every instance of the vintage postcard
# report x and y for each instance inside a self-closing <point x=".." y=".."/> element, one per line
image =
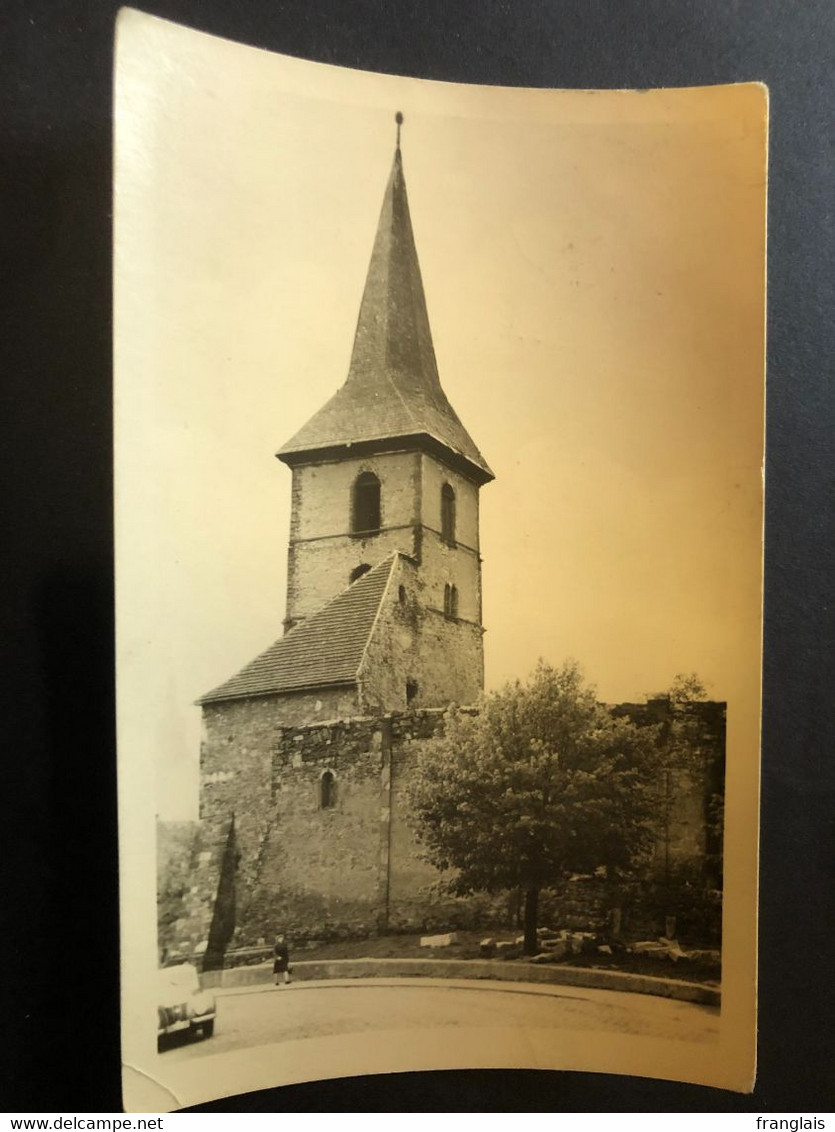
<point x="439" y="733"/>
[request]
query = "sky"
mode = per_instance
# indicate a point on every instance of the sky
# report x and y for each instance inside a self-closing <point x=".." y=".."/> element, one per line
<point x="594" y="272"/>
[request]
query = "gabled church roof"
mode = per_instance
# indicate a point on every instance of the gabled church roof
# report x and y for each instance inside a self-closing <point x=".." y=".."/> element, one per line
<point x="392" y="393"/>
<point x="324" y="650"/>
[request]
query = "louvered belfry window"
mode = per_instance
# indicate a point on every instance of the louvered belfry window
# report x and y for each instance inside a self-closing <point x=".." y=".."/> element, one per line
<point x="365" y="511"/>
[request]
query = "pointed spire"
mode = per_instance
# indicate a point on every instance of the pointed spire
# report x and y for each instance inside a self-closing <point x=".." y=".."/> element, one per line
<point x="393" y="334"/>
<point x="393" y="389"/>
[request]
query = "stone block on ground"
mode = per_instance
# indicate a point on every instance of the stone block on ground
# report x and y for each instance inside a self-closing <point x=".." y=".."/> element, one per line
<point x="649" y="947"/>
<point x="445" y="940"/>
<point x="507" y="949"/>
<point x="487" y="948"/>
<point x="544" y="957"/>
<point x="674" y="949"/>
<point x="708" y="955"/>
<point x="555" y="947"/>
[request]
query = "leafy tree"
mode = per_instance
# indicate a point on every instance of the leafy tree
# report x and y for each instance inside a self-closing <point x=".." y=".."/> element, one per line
<point x="542" y="782"/>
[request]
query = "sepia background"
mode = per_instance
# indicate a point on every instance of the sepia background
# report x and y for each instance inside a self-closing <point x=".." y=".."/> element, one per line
<point x="593" y="265"/>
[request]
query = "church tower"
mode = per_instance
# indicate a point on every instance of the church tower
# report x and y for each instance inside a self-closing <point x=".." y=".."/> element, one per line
<point x="386" y="466"/>
<point x="383" y="605"/>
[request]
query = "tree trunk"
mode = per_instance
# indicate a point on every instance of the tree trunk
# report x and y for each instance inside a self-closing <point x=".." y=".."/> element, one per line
<point x="531" y="914"/>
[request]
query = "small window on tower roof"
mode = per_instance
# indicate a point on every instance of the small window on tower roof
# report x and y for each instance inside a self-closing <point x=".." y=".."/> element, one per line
<point x="447" y="513"/>
<point x="358" y="571"/>
<point x="365" y="505"/>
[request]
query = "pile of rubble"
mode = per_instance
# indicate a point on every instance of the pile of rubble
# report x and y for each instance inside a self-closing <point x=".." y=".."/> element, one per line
<point x="555" y="946"/>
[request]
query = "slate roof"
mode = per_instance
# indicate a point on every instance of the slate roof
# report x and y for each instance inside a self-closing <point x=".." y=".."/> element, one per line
<point x="323" y="650"/>
<point x="393" y="389"/>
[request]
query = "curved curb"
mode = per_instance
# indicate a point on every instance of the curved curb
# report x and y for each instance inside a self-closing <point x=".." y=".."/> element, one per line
<point x="514" y="971"/>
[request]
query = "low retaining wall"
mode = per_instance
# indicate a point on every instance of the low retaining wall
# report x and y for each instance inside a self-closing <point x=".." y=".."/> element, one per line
<point x="501" y="970"/>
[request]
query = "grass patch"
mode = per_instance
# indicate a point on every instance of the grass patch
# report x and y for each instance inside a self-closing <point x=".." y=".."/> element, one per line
<point x="408" y="947"/>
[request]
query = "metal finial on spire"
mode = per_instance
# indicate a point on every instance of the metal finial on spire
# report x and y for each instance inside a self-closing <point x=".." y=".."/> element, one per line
<point x="398" y="117"/>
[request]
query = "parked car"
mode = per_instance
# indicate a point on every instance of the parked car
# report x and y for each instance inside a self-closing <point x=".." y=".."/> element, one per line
<point x="183" y="1006"/>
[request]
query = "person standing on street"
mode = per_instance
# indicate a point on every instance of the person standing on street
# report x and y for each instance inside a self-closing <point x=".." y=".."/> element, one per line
<point x="281" y="960"/>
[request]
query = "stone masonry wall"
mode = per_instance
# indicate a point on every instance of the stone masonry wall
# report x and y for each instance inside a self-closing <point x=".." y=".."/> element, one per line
<point x="322" y="551"/>
<point x="318" y="873"/>
<point x="434" y="475"/>
<point x="240" y="738"/>
<point x="442" y="563"/>
<point x="408" y="640"/>
<point x="355" y="868"/>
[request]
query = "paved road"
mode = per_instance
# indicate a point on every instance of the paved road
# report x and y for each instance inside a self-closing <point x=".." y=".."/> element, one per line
<point x="258" y="1016"/>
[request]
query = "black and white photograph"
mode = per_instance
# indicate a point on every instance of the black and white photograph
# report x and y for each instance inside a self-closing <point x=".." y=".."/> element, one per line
<point x="438" y="514"/>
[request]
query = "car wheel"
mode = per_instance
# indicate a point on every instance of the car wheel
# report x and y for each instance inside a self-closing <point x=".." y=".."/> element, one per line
<point x="208" y="1028"/>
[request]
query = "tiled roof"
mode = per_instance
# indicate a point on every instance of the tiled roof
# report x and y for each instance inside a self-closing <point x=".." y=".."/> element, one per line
<point x="393" y="389"/>
<point x="323" y="650"/>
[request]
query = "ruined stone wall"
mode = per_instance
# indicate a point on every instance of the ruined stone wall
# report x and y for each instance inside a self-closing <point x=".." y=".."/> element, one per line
<point x="688" y="845"/>
<point x="323" y="552"/>
<point x="176" y="859"/>
<point x="189" y="863"/>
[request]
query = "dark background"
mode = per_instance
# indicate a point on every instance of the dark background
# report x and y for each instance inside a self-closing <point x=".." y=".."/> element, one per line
<point x="58" y="860"/>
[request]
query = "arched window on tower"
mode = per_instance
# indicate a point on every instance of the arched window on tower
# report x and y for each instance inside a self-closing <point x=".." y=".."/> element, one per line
<point x="450" y="601"/>
<point x="327" y="790"/>
<point x="447" y="514"/>
<point x="365" y="505"/>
